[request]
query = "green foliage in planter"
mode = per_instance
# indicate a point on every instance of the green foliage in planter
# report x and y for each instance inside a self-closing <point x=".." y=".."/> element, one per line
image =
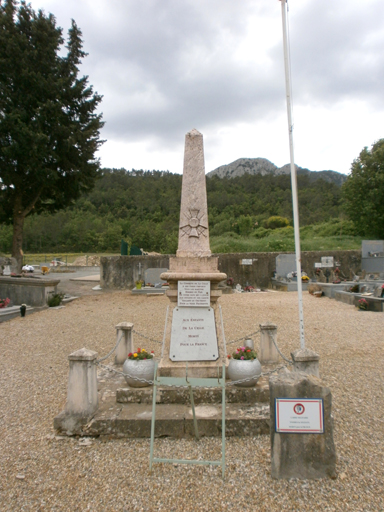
<point x="55" y="300"/>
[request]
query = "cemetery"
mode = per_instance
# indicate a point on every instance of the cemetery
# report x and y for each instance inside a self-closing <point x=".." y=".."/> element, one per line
<point x="263" y="396"/>
<point x="300" y="432"/>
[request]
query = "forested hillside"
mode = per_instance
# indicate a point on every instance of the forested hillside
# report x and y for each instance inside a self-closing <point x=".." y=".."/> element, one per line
<point x="143" y="208"/>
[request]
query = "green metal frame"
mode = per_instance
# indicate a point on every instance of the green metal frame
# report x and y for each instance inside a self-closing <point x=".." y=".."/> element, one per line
<point x="191" y="383"/>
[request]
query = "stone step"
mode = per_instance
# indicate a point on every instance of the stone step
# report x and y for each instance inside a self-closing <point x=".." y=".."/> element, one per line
<point x="176" y="420"/>
<point x="167" y="395"/>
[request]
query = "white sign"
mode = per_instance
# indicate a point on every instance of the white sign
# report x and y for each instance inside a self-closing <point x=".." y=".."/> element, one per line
<point x="299" y="415"/>
<point x="317" y="265"/>
<point x="327" y="261"/>
<point x="193" y="294"/>
<point x="193" y="335"/>
<point x="246" y="262"/>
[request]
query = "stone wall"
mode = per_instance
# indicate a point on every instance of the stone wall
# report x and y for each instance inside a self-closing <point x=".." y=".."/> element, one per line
<point x="22" y="290"/>
<point x="123" y="271"/>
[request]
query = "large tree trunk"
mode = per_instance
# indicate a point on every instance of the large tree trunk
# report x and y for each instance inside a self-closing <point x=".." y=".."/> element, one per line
<point x="17" y="241"/>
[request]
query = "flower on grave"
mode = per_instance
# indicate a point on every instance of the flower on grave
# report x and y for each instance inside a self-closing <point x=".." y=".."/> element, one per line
<point x="244" y="354"/>
<point x="229" y="356"/>
<point x="4" y="302"/>
<point x="141" y="354"/>
<point x="363" y="304"/>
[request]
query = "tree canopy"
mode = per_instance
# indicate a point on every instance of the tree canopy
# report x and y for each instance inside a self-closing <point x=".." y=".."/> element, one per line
<point x="144" y="207"/>
<point x="363" y="192"/>
<point x="49" y="127"/>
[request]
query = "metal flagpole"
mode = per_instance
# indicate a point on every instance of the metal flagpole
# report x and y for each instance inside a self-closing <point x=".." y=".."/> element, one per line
<point x="293" y="174"/>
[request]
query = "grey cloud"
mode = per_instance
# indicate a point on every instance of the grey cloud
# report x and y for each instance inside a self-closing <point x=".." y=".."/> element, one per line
<point x="337" y="52"/>
<point x="165" y="66"/>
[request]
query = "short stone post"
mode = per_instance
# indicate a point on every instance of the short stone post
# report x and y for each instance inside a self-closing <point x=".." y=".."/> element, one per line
<point x="82" y="399"/>
<point x="305" y="360"/>
<point x="250" y="344"/>
<point x="123" y="330"/>
<point x="268" y="353"/>
<point x="82" y="383"/>
<point x="294" y="452"/>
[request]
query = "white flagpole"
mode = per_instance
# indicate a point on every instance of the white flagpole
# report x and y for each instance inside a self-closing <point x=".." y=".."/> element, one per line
<point x="293" y="175"/>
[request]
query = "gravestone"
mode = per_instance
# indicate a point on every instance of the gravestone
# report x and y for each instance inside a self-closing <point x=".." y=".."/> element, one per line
<point x="372" y="256"/>
<point x="7" y="265"/>
<point x="193" y="336"/>
<point x="152" y="275"/>
<point x="285" y="263"/>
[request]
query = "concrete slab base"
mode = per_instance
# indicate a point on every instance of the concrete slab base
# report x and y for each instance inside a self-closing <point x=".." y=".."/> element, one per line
<point x="14" y="311"/>
<point x="176" y="420"/>
<point x="149" y="290"/>
<point x="127" y="412"/>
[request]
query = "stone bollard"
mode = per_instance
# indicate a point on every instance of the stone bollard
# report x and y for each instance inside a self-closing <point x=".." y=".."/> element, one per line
<point x="123" y="329"/>
<point x="82" y="399"/>
<point x="82" y="383"/>
<point x="305" y="360"/>
<point x="268" y="353"/>
<point x="250" y="344"/>
<point x="296" y="453"/>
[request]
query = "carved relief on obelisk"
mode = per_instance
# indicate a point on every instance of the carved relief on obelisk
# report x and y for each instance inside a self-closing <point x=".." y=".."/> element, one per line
<point x="193" y="227"/>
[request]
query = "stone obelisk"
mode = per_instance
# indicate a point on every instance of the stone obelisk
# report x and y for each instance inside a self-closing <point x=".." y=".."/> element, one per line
<point x="194" y="334"/>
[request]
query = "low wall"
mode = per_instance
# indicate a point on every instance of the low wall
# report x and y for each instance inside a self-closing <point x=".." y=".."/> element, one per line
<point x="250" y="268"/>
<point x="23" y="290"/>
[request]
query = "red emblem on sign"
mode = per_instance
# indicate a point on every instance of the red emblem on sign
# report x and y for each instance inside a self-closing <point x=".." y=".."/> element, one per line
<point x="298" y="409"/>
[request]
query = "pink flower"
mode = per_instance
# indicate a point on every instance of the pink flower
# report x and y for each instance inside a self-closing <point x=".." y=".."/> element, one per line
<point x="242" y="357"/>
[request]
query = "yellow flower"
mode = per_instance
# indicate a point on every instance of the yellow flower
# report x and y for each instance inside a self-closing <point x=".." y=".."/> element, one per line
<point x="143" y="350"/>
<point x="135" y="355"/>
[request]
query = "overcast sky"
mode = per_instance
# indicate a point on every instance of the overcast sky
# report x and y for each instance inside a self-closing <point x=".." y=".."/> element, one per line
<point x="167" y="66"/>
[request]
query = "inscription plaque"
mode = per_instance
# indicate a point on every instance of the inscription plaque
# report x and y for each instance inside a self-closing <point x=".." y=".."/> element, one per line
<point x="193" y="294"/>
<point x="299" y="415"/>
<point x="193" y="335"/>
<point x="327" y="261"/>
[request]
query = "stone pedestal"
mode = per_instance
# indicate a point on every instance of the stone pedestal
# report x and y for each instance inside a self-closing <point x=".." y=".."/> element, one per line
<point x="268" y="353"/>
<point x="305" y="360"/>
<point x="123" y="330"/>
<point x="297" y="455"/>
<point x="82" y="399"/>
<point x="82" y="382"/>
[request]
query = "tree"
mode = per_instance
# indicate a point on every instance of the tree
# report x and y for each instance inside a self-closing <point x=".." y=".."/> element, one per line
<point x="49" y="128"/>
<point x="363" y="192"/>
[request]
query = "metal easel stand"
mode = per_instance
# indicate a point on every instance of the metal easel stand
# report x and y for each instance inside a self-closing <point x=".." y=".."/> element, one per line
<point x="190" y="383"/>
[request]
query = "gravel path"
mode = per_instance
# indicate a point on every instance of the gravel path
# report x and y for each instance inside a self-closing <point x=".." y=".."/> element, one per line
<point x="42" y="471"/>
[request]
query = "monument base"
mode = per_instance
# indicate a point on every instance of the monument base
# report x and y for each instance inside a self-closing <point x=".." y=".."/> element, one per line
<point x="196" y="369"/>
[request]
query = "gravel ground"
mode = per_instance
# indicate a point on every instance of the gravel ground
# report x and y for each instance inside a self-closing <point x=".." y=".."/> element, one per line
<point x="43" y="471"/>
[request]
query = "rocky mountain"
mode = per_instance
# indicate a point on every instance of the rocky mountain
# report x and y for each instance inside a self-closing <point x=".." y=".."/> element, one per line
<point x="265" y="167"/>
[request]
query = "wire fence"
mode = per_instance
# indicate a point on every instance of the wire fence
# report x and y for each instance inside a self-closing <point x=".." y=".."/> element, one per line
<point x="227" y="384"/>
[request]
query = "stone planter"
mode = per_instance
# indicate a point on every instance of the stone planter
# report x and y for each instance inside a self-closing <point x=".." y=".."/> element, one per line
<point x="238" y="370"/>
<point x="142" y="369"/>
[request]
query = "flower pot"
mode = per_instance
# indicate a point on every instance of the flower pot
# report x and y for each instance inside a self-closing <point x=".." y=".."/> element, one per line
<point x="142" y="369"/>
<point x="138" y="286"/>
<point x="241" y="369"/>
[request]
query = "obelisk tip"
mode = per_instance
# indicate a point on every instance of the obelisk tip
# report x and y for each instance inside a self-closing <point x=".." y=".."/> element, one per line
<point x="194" y="133"/>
